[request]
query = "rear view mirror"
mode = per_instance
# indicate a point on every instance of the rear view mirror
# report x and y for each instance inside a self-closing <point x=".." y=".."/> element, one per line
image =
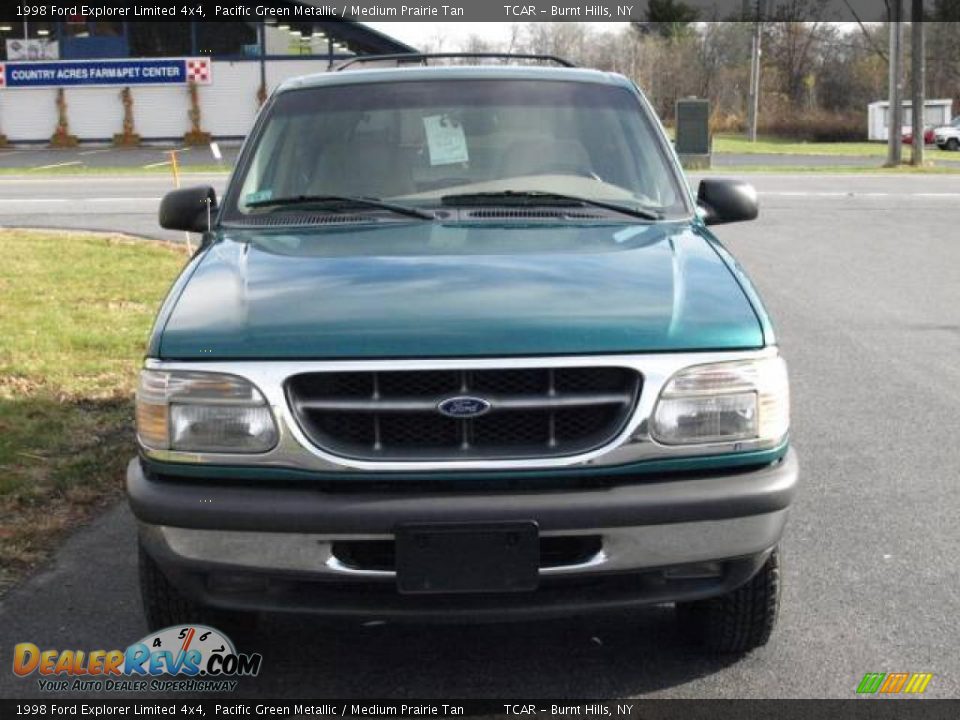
<point x="726" y="201"/>
<point x="188" y="209"/>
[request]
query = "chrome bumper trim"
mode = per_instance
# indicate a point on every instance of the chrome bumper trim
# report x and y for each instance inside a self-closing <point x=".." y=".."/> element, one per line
<point x="623" y="549"/>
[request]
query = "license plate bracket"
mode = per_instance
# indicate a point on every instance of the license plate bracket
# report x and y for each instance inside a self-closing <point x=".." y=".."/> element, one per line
<point x="468" y="557"/>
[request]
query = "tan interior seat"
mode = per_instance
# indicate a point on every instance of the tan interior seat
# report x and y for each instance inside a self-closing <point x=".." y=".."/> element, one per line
<point x="540" y="156"/>
<point x="366" y="168"/>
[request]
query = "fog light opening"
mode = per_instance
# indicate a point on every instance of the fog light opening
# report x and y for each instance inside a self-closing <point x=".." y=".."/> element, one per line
<point x="694" y="571"/>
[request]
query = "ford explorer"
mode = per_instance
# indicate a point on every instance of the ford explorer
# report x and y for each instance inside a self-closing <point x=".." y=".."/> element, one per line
<point x="459" y="345"/>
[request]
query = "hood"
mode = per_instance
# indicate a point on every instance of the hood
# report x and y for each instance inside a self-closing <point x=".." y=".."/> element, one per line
<point x="436" y="290"/>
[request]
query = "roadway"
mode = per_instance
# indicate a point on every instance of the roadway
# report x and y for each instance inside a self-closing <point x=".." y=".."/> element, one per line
<point x="117" y="203"/>
<point x="862" y="274"/>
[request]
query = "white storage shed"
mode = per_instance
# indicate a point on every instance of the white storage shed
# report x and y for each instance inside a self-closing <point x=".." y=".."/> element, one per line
<point x="935" y="114"/>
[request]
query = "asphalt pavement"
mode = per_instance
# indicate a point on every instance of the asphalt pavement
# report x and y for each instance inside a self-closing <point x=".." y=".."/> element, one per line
<point x="114" y="203"/>
<point x="862" y="275"/>
<point x="32" y="158"/>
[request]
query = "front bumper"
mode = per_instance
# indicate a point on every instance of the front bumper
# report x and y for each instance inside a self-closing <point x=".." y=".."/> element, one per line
<point x="660" y="540"/>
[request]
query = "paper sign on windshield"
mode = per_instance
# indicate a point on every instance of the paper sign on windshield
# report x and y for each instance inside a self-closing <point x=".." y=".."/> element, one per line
<point x="445" y="140"/>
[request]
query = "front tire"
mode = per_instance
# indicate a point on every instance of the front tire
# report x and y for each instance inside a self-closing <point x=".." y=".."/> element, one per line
<point x="953" y="144"/>
<point x="164" y="605"/>
<point x="741" y="620"/>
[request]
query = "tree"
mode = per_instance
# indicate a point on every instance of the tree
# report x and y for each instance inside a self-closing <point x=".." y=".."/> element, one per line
<point x="943" y="50"/>
<point x="668" y="19"/>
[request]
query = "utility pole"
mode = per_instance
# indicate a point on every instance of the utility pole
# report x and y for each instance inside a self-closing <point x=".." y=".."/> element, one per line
<point x="918" y="73"/>
<point x="755" y="52"/>
<point x="895" y="115"/>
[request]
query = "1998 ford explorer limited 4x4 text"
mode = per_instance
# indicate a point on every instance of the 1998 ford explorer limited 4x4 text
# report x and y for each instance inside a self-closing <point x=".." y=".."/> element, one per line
<point x="458" y="345"/>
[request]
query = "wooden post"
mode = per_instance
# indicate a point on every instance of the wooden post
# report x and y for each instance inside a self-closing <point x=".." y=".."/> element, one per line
<point x="3" y="140"/>
<point x="61" y="136"/>
<point x="753" y="111"/>
<point x="127" y="138"/>
<point x="262" y="92"/>
<point x="175" y="166"/>
<point x="895" y="115"/>
<point x="919" y="79"/>
<point x="196" y="135"/>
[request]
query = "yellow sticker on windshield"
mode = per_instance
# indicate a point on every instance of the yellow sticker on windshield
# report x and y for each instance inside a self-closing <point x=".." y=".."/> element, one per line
<point x="445" y="140"/>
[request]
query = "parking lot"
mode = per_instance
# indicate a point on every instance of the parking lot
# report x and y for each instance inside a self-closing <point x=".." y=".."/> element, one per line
<point x="862" y="274"/>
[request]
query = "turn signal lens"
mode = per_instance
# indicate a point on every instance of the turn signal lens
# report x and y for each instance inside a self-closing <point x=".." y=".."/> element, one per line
<point x="152" y="424"/>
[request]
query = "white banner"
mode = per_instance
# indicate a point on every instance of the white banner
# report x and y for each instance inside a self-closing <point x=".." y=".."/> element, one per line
<point x="33" y="49"/>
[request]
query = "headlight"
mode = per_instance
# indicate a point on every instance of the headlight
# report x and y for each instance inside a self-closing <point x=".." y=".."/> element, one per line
<point x="202" y="412"/>
<point x="725" y="402"/>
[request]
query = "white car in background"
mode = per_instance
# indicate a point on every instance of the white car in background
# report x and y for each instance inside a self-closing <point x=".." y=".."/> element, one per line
<point x="948" y="136"/>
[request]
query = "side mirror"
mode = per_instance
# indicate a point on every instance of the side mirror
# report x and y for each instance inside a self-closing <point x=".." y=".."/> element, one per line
<point x="188" y="209"/>
<point x="727" y="201"/>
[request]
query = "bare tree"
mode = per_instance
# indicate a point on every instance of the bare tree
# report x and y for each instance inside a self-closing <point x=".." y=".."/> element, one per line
<point x="668" y="19"/>
<point x="943" y="50"/>
<point x="829" y="72"/>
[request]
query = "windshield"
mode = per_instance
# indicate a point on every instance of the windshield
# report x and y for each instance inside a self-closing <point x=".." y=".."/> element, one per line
<point x="417" y="142"/>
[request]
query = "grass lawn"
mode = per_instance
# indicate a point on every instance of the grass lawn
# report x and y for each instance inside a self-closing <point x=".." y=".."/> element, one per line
<point x="736" y="144"/>
<point x="834" y="169"/>
<point x="75" y="310"/>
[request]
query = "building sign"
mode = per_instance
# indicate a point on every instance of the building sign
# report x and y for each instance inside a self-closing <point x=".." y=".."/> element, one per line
<point x="158" y="71"/>
<point x="32" y="49"/>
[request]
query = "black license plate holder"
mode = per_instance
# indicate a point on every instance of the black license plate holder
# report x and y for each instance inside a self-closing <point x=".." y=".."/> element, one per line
<point x="468" y="557"/>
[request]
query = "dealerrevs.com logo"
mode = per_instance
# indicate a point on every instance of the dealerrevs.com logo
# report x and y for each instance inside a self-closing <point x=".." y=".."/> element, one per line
<point x="190" y="658"/>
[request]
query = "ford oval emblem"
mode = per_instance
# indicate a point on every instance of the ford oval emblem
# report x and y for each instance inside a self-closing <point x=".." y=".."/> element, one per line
<point x="463" y="407"/>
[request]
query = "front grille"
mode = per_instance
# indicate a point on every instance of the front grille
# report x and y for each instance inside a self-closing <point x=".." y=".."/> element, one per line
<point x="538" y="412"/>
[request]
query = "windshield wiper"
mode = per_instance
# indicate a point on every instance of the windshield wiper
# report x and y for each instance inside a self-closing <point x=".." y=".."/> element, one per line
<point x="342" y="202"/>
<point x="536" y="197"/>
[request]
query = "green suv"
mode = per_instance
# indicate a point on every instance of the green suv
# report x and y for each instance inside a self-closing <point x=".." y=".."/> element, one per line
<point x="458" y="345"/>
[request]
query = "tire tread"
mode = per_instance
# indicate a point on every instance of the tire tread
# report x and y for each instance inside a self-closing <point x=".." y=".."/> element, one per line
<point x="741" y="620"/>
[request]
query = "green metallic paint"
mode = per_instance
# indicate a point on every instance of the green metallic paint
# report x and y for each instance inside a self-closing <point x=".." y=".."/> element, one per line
<point x="173" y="295"/>
<point x="436" y="289"/>
<point x="645" y="468"/>
<point x="769" y="334"/>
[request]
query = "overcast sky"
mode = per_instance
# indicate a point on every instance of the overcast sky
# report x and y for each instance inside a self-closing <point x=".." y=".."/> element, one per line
<point x="452" y="33"/>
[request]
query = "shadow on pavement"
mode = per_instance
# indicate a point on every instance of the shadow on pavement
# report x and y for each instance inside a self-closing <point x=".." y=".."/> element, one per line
<point x="88" y="599"/>
<point x="592" y="657"/>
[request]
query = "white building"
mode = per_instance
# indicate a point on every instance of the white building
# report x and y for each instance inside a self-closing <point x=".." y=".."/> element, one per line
<point x="233" y="64"/>
<point x="935" y="114"/>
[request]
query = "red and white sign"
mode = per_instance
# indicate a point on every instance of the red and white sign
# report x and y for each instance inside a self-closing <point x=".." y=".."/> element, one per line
<point x="198" y="71"/>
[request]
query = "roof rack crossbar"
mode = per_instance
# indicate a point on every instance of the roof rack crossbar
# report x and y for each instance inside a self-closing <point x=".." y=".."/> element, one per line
<point x="401" y="58"/>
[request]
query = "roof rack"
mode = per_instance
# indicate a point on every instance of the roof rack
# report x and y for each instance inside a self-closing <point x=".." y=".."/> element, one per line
<point x="423" y="58"/>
